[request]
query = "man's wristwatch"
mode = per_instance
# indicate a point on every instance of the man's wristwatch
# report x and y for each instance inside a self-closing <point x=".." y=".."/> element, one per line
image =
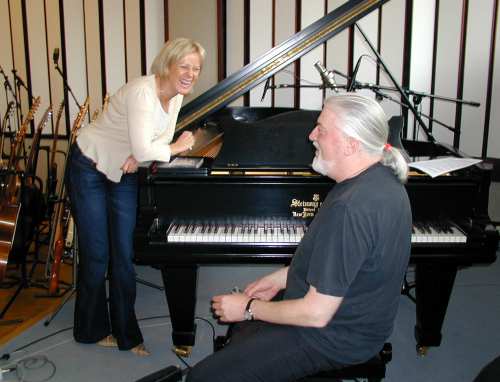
<point x="248" y="315"/>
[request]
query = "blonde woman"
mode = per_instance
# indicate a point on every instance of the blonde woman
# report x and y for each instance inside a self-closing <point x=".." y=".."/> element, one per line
<point x="137" y="126"/>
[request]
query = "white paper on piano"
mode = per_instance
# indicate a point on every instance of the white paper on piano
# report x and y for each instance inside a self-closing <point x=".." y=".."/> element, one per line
<point x="182" y="162"/>
<point x="436" y="167"/>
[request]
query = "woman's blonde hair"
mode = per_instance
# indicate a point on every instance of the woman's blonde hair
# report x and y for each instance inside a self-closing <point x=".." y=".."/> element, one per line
<point x="173" y="51"/>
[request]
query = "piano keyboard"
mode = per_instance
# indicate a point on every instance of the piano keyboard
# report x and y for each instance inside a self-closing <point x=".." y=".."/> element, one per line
<point x="288" y="231"/>
<point x="279" y="231"/>
<point x="437" y="232"/>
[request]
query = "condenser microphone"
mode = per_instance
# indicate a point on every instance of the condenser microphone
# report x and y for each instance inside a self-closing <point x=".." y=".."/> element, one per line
<point x="55" y="56"/>
<point x="326" y="76"/>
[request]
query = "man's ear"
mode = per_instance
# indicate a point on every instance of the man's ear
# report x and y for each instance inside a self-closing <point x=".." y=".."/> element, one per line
<point x="352" y="146"/>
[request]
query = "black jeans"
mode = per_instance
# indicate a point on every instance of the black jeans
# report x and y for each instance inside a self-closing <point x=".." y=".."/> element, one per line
<point x="261" y="352"/>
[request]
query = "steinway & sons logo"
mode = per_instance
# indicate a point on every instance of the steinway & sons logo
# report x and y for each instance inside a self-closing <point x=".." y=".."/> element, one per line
<point x="305" y="209"/>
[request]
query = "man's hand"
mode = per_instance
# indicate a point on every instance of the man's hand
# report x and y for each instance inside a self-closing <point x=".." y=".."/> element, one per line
<point x="230" y="307"/>
<point x="130" y="165"/>
<point x="266" y="287"/>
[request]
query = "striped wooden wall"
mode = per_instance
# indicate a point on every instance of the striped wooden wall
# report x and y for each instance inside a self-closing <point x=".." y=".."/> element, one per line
<point x="444" y="47"/>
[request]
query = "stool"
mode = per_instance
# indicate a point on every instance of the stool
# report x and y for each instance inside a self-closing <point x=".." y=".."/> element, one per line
<point x="373" y="369"/>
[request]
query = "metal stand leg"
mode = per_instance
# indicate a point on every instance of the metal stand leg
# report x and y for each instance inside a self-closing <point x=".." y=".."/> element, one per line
<point x="149" y="284"/>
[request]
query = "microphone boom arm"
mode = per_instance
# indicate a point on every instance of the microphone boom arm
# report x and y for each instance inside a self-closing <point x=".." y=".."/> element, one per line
<point x="430" y="137"/>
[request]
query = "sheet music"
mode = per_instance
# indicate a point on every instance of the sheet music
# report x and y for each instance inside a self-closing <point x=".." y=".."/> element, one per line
<point x="182" y="162"/>
<point x="436" y="167"/>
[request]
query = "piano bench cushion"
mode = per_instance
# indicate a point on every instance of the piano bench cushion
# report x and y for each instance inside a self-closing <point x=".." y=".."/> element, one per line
<point x="373" y="370"/>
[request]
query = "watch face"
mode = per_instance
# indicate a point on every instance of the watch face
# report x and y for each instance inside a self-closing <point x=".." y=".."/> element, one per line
<point x="247" y="315"/>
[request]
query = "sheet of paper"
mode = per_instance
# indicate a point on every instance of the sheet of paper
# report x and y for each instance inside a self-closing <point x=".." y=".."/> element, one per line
<point x="182" y="162"/>
<point x="436" y="167"/>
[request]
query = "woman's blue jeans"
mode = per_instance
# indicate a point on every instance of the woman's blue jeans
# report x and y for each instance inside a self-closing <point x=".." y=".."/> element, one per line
<point x="105" y="215"/>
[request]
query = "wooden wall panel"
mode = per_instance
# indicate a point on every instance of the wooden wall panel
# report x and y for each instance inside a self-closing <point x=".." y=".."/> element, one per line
<point x="391" y="46"/>
<point x="311" y="98"/>
<point x="75" y="69"/>
<point x="421" y="58"/>
<point x="184" y="15"/>
<point x="337" y="49"/>
<point x="447" y="66"/>
<point x="285" y="28"/>
<point x="54" y="42"/>
<point x="38" y="55"/>
<point x="261" y="41"/>
<point x="6" y="56"/>
<point x="155" y="30"/>
<point x="133" y="38"/>
<point x="94" y="55"/>
<point x="235" y="39"/>
<point x="476" y="75"/>
<point x="19" y="50"/>
<point x="114" y="43"/>
<point x="494" y="133"/>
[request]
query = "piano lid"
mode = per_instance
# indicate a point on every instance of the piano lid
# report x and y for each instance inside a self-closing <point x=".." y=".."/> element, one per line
<point x="274" y="60"/>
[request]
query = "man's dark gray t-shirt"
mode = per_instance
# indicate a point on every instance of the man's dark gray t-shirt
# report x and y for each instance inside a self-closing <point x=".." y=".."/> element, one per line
<point x="357" y="247"/>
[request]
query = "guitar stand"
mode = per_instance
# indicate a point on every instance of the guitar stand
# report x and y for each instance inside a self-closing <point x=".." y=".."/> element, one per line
<point x="72" y="287"/>
<point x="149" y="284"/>
<point x="24" y="282"/>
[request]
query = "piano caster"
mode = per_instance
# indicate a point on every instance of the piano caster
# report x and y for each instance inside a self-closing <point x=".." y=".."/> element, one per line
<point x="422" y="350"/>
<point x="183" y="351"/>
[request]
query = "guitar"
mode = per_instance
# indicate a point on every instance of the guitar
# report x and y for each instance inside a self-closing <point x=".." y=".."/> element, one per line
<point x="10" y="204"/>
<point x="32" y="162"/>
<point x="52" y="174"/>
<point x="56" y="245"/>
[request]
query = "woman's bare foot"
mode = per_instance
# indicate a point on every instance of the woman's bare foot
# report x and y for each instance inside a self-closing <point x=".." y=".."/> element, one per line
<point x="108" y="341"/>
<point x="140" y="350"/>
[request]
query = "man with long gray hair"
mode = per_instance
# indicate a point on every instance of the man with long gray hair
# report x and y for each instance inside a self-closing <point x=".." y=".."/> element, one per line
<point x="342" y="289"/>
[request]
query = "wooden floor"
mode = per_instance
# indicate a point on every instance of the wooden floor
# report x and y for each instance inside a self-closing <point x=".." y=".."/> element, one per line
<point x="28" y="307"/>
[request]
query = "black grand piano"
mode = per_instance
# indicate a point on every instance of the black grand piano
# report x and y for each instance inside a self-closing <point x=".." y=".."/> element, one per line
<point x="250" y="195"/>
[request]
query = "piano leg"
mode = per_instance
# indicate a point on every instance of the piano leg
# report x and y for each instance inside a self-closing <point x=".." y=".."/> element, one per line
<point x="180" y="290"/>
<point x="434" y="283"/>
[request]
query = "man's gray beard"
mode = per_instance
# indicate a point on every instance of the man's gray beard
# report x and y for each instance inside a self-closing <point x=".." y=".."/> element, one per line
<point x="320" y="166"/>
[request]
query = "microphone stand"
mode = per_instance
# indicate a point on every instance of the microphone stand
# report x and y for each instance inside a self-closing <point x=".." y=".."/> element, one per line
<point x="379" y="94"/>
<point x="430" y="137"/>
<point x="66" y="85"/>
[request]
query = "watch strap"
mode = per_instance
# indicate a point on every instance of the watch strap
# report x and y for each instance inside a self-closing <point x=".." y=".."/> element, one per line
<point x="248" y="309"/>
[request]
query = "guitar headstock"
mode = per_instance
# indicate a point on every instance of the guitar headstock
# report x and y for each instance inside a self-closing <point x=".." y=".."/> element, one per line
<point x="79" y="118"/>
<point x="29" y="117"/>
<point x="33" y="109"/>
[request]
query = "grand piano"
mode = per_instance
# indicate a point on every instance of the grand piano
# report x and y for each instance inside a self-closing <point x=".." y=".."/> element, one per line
<point x="249" y="194"/>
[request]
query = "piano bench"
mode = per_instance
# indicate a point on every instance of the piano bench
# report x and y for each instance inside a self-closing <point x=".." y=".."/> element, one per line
<point x="373" y="370"/>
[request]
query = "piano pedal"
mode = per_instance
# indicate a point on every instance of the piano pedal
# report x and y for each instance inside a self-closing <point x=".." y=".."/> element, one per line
<point x="183" y="351"/>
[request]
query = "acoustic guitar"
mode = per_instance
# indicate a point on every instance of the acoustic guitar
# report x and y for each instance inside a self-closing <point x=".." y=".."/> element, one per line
<point x="10" y="204"/>
<point x="57" y="240"/>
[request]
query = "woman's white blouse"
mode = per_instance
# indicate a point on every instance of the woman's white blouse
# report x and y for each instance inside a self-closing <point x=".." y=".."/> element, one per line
<point x="133" y="123"/>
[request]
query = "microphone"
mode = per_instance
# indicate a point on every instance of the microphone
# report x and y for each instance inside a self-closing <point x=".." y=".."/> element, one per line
<point x="55" y="56"/>
<point x="354" y="73"/>
<point x="326" y="76"/>
<point x="266" y="87"/>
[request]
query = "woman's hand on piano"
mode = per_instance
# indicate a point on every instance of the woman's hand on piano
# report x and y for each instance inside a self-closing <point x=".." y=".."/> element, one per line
<point x="230" y="307"/>
<point x="183" y="143"/>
